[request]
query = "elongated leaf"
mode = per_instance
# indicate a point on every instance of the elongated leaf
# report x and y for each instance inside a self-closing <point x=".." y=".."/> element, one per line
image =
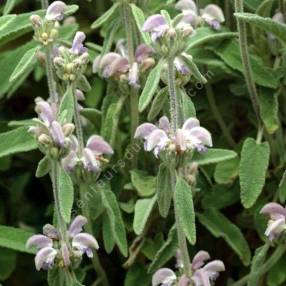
<point x="5" y="21"/>
<point x="265" y="8"/>
<point x="185" y="209"/>
<point x="205" y="35"/>
<point x="226" y="172"/>
<point x="150" y="86"/>
<point x="107" y="234"/>
<point x="25" y="64"/>
<point x="220" y="226"/>
<point x="257" y="262"/>
<point x="15" y="238"/>
<point x="143" y="209"/>
<point x="117" y="225"/>
<point x="158" y="103"/>
<point x="16" y="141"/>
<point x="145" y="185"/>
<point x="66" y="195"/>
<point x="8" y="261"/>
<point x="195" y="70"/>
<point x="263" y="75"/>
<point x="282" y="188"/>
<point x="267" y="24"/>
<point x="105" y="17"/>
<point x="67" y="106"/>
<point x="188" y="107"/>
<point x="213" y="156"/>
<point x="9" y="6"/>
<point x="139" y="17"/>
<point x="44" y="167"/>
<point x="166" y="252"/>
<point x="252" y="170"/>
<point x="164" y="190"/>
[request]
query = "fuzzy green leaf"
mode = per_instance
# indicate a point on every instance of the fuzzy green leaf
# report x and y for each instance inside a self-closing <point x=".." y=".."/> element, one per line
<point x="105" y="17"/>
<point x="9" y="6"/>
<point x="184" y="206"/>
<point x="16" y="141"/>
<point x="220" y="226"/>
<point x="150" y="86"/>
<point x="15" y="238"/>
<point x="66" y="195"/>
<point x="5" y="21"/>
<point x="144" y="185"/>
<point x="226" y="172"/>
<point x="187" y="105"/>
<point x="44" y="167"/>
<point x="107" y="234"/>
<point x="67" y="106"/>
<point x="213" y="156"/>
<point x="158" y="103"/>
<point x="282" y="188"/>
<point x="252" y="170"/>
<point x="143" y="209"/>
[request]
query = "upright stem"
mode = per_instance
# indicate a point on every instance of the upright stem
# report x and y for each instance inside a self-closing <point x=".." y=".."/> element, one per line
<point x="217" y="115"/>
<point x="174" y="107"/>
<point x="246" y="62"/>
<point x="50" y="75"/>
<point x="282" y="8"/>
<point x="45" y="4"/>
<point x="181" y="236"/>
<point x="102" y="278"/>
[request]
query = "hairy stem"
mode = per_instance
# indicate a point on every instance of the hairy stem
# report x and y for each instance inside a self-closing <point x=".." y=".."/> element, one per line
<point x="242" y="31"/>
<point x="50" y="75"/>
<point x="181" y="236"/>
<point x="45" y="4"/>
<point x="217" y="116"/>
<point x="276" y="255"/>
<point x="102" y="278"/>
<point x="174" y="107"/>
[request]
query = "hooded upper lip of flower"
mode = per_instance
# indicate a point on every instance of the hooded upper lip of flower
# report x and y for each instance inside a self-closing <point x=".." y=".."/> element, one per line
<point x="164" y="276"/>
<point x="55" y="11"/>
<point x="276" y="224"/>
<point x="77" y="46"/>
<point x="190" y="136"/>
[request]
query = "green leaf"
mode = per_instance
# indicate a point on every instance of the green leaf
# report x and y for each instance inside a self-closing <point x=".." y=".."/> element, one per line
<point x="9" y="6"/>
<point x="282" y="188"/>
<point x="220" y="226"/>
<point x="107" y="234"/>
<point x="194" y="69"/>
<point x="44" y="167"/>
<point x="257" y="262"/>
<point x="143" y="209"/>
<point x="267" y="24"/>
<point x="226" y="172"/>
<point x="8" y="260"/>
<point x="117" y="225"/>
<point x="5" y="21"/>
<point x="164" y="189"/>
<point x="213" y="156"/>
<point x="150" y="86"/>
<point x="57" y="277"/>
<point x="264" y="9"/>
<point x="184" y="208"/>
<point x="139" y="17"/>
<point x="269" y="110"/>
<point x="166" y="252"/>
<point x="105" y="17"/>
<point x="137" y="275"/>
<point x="188" y="107"/>
<point x="144" y="185"/>
<point x="158" y="103"/>
<point x="67" y="106"/>
<point x="277" y="275"/>
<point x="28" y="61"/>
<point x="93" y="115"/>
<point x="205" y="35"/>
<point x="66" y="195"/>
<point x="15" y="238"/>
<point x="16" y="141"/>
<point x="83" y="84"/>
<point x="252" y="170"/>
<point x="263" y="75"/>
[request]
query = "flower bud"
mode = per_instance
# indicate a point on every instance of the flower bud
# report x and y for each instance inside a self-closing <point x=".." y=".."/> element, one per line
<point x="36" y="20"/>
<point x="54" y="33"/>
<point x="41" y="57"/>
<point x="147" y="64"/>
<point x="45" y="139"/>
<point x="69" y="67"/>
<point x="68" y="129"/>
<point x="58" y="61"/>
<point x="171" y="33"/>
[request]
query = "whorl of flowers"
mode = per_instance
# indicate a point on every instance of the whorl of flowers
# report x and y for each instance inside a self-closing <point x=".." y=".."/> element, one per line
<point x="71" y="63"/>
<point x="116" y="64"/>
<point x="191" y="137"/>
<point x="46" y="29"/>
<point x="90" y="158"/>
<point x="277" y="222"/>
<point x="202" y="274"/>
<point x="211" y="15"/>
<point x="49" y="132"/>
<point x="54" y="250"/>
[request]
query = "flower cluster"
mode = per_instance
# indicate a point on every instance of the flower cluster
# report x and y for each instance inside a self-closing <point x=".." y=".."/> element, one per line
<point x="46" y="29"/>
<point x="189" y="138"/>
<point x="116" y="64"/>
<point x="211" y="15"/>
<point x="49" y="132"/>
<point x="71" y="63"/>
<point x="90" y="158"/>
<point x="202" y="275"/>
<point x="277" y="222"/>
<point x="53" y="249"/>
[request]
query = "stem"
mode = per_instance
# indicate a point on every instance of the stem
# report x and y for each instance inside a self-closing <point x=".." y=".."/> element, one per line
<point x="181" y="236"/>
<point x="246" y="62"/>
<point x="217" y="116"/>
<point x="276" y="255"/>
<point x="174" y="107"/>
<point x="102" y="278"/>
<point x="77" y="120"/>
<point x="45" y="4"/>
<point x="50" y="75"/>
<point x="282" y="7"/>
